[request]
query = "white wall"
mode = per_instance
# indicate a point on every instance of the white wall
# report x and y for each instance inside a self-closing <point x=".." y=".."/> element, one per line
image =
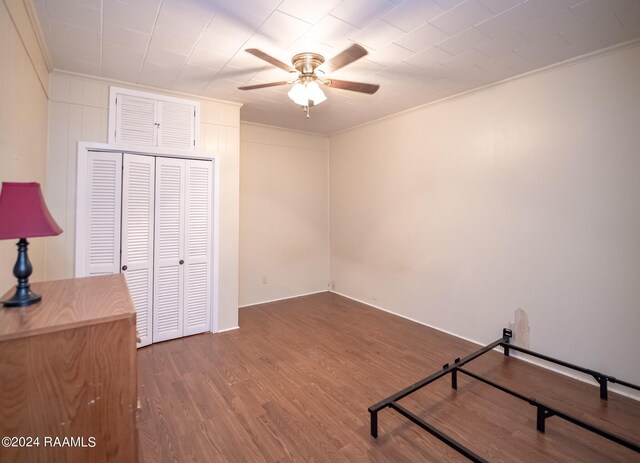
<point x="78" y="111"/>
<point x="523" y="195"/>
<point x="284" y="240"/>
<point x="23" y="122"/>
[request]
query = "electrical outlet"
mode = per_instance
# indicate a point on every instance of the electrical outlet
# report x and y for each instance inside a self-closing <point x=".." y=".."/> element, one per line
<point x="264" y="280"/>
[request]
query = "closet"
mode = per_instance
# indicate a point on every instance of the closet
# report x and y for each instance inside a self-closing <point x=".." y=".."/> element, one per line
<point x="148" y="119"/>
<point x="150" y="218"/>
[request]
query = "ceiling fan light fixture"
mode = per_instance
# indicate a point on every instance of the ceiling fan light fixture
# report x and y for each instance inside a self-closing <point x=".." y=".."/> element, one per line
<point x="298" y="94"/>
<point x="315" y="93"/>
<point x="302" y="93"/>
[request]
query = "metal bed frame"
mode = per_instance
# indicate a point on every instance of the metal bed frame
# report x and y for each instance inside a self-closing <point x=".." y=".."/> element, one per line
<point x="544" y="411"/>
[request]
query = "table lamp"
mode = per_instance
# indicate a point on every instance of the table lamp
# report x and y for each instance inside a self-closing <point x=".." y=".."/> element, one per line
<point x="23" y="214"/>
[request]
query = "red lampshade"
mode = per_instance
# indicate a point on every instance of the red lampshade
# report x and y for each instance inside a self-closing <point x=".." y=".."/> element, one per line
<point x="23" y="213"/>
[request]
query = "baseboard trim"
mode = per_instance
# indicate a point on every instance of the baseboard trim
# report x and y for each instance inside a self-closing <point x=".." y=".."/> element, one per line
<point x="227" y="329"/>
<point x="536" y="362"/>
<point x="284" y="298"/>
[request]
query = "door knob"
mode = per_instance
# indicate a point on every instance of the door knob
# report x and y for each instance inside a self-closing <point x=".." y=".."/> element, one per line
<point x="181" y="262"/>
<point x="124" y="268"/>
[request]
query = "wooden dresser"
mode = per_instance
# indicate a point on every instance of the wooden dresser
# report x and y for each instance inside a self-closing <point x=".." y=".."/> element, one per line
<point x="68" y="370"/>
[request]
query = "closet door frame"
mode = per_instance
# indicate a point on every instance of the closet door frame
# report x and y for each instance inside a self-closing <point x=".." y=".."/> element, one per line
<point x="84" y="148"/>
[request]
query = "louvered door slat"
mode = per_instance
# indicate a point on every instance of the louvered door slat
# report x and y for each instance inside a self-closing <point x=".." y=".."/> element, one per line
<point x="198" y="239"/>
<point x="136" y="120"/>
<point x="138" y="189"/>
<point x="177" y="124"/>
<point x="103" y="196"/>
<point x="169" y="241"/>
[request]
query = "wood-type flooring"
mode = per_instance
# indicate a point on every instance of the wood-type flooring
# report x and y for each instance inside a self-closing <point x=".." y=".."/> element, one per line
<point x="295" y="381"/>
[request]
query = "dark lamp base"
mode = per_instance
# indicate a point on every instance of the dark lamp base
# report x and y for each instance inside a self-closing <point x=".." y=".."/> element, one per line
<point x="22" y="300"/>
<point x="22" y="271"/>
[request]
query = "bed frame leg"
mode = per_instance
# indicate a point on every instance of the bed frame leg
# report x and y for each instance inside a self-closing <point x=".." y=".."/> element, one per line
<point x="602" y="381"/>
<point x="374" y="425"/>
<point x="454" y="375"/>
<point x="541" y="417"/>
<point x="506" y="334"/>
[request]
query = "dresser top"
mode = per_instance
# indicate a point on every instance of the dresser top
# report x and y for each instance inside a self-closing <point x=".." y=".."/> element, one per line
<point x="68" y="304"/>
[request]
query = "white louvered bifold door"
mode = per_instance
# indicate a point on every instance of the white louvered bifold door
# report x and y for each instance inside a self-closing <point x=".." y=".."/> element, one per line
<point x="136" y="121"/>
<point x="169" y="243"/>
<point x="176" y="125"/>
<point x="138" y="191"/>
<point x="198" y="220"/>
<point x="103" y="205"/>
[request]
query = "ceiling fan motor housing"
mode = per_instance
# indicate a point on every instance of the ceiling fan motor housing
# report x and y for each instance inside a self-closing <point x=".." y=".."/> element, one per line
<point x="306" y="63"/>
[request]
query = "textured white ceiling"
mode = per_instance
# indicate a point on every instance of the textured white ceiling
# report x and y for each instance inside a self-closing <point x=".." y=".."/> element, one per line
<point x="419" y="50"/>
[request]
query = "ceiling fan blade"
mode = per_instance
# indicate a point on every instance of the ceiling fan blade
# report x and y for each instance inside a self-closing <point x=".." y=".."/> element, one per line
<point x="270" y="59"/>
<point x="353" y="86"/>
<point x="270" y="84"/>
<point x="351" y="54"/>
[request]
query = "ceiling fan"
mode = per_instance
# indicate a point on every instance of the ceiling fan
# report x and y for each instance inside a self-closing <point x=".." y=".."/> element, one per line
<point x="310" y="69"/>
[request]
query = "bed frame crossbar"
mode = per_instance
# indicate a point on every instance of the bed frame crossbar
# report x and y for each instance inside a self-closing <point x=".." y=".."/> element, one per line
<point x="543" y="411"/>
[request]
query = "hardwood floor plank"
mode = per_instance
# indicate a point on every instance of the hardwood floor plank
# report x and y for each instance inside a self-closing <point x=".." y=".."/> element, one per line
<point x="294" y="384"/>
